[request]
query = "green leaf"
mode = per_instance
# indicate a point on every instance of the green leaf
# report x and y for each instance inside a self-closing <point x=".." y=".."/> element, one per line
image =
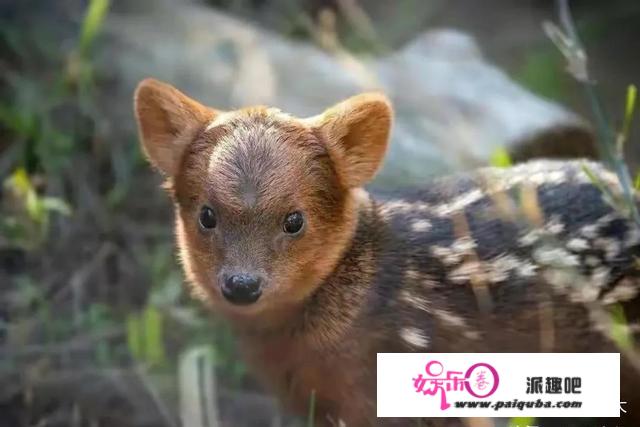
<point x="630" y="106"/>
<point x="34" y="207"/>
<point x="521" y="422"/>
<point x="37" y="207"/>
<point x="19" y="181"/>
<point x="620" y="329"/>
<point x="91" y="24"/>
<point x="54" y="204"/>
<point x="134" y="336"/>
<point x="623" y="135"/>
<point x="501" y="158"/>
<point x="153" y="333"/>
<point x="20" y="184"/>
<point x="145" y="336"/>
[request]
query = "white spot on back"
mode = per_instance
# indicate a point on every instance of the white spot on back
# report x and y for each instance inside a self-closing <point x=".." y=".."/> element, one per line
<point x="554" y="226"/>
<point x="590" y="231"/>
<point x="555" y="257"/>
<point x="465" y="272"/>
<point x="551" y="228"/>
<point x="531" y="237"/>
<point x="464" y="245"/>
<point x="493" y="271"/>
<point x="506" y="263"/>
<point x="420" y="225"/>
<point x="411" y="275"/>
<point x="450" y="318"/>
<point x="446" y="255"/>
<point x="455" y="253"/>
<point x="459" y="203"/>
<point x="610" y="246"/>
<point x="398" y="207"/>
<point x="414" y="301"/>
<point x="577" y="244"/>
<point x="414" y="337"/>
<point x="632" y="238"/>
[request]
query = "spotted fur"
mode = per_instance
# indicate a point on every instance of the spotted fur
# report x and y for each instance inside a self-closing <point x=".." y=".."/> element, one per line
<point x="522" y="259"/>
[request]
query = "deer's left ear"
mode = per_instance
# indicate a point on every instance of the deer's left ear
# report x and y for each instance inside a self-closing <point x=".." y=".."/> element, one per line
<point x="357" y="133"/>
<point x="165" y="118"/>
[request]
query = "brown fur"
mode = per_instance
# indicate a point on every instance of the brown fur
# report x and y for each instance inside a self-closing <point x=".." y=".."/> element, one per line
<point x="330" y="156"/>
<point x="347" y="286"/>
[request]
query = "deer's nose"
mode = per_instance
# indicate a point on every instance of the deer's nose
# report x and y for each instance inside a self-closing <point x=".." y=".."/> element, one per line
<point x="242" y="289"/>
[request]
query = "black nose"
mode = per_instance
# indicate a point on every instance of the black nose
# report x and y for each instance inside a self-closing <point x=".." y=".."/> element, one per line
<point x="242" y="289"/>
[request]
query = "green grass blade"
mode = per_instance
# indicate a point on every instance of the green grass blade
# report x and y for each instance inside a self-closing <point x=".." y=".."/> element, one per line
<point x="153" y="331"/>
<point x="134" y="337"/>
<point x="630" y="105"/>
<point x="522" y="422"/>
<point x="92" y="23"/>
<point x="598" y="183"/>
<point x="620" y="328"/>
<point x="312" y="409"/>
<point x="501" y="158"/>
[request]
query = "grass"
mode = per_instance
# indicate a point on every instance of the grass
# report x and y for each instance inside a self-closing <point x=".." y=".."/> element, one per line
<point x="27" y="225"/>
<point x="97" y="295"/>
<point x="42" y="148"/>
<point x="312" y="409"/>
<point x="522" y="422"/>
<point x="611" y="143"/>
<point x="501" y="158"/>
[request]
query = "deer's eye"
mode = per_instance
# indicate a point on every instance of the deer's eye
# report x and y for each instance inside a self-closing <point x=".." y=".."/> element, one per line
<point x="207" y="218"/>
<point x="293" y="223"/>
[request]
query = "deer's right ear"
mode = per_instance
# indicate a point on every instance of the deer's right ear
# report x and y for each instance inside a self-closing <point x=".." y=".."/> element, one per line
<point x="357" y="131"/>
<point x="166" y="118"/>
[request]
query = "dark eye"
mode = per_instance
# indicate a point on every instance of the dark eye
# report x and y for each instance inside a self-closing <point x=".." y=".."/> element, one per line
<point x="207" y="218"/>
<point x="293" y="223"/>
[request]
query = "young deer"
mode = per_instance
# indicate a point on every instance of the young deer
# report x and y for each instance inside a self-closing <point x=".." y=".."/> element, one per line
<point x="316" y="275"/>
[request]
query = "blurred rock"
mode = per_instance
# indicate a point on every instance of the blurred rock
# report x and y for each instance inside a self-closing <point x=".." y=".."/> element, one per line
<point x="453" y="108"/>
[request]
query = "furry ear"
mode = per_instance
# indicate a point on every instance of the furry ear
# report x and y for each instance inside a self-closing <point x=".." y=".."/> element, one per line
<point x="167" y="119"/>
<point x="357" y="132"/>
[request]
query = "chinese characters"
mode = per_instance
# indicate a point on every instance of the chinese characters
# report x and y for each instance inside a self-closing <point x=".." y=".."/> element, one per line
<point x="554" y="385"/>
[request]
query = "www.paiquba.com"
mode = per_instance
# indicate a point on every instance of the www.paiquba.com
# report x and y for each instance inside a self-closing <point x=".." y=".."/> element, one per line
<point x="519" y="404"/>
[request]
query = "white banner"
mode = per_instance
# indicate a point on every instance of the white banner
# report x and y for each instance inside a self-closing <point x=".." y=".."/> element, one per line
<point x="498" y="385"/>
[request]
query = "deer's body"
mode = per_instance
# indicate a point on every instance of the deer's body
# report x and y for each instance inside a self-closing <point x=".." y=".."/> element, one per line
<point x="317" y="276"/>
<point x="443" y="270"/>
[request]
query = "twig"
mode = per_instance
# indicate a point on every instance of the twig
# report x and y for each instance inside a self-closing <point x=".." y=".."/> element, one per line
<point x="79" y="278"/>
<point x="569" y="44"/>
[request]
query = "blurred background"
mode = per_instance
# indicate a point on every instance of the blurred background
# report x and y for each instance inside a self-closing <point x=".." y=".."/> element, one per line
<point x="95" y="326"/>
